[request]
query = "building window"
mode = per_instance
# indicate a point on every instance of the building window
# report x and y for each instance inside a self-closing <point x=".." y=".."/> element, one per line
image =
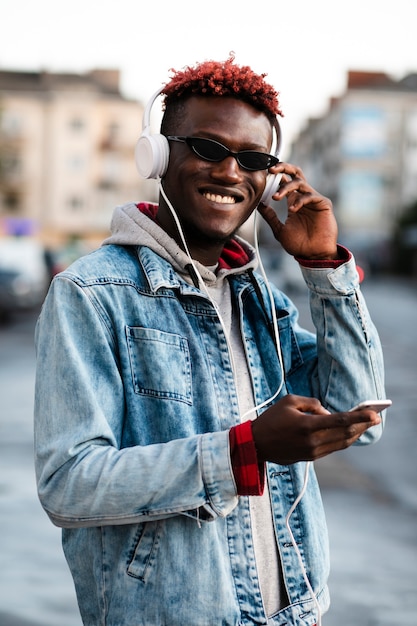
<point x="11" y="124"/>
<point x="77" y="124"/>
<point x="10" y="165"/>
<point x="76" y="163"/>
<point x="364" y="132"/>
<point x="114" y="130"/>
<point x="75" y="203"/>
<point x="111" y="136"/>
<point x="11" y="201"/>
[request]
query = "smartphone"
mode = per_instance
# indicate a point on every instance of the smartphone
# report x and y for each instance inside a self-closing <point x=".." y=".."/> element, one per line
<point x="374" y="405"/>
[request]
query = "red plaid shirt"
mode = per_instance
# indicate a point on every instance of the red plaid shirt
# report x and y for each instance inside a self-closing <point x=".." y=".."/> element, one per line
<point x="249" y="474"/>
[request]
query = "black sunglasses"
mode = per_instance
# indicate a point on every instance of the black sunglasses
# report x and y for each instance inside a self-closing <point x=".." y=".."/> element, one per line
<point x="211" y="150"/>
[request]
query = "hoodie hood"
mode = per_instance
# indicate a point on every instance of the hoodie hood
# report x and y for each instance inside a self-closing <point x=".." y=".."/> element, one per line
<point x="135" y="225"/>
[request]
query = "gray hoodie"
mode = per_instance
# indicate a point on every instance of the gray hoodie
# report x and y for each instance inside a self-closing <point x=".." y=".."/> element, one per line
<point x="131" y="225"/>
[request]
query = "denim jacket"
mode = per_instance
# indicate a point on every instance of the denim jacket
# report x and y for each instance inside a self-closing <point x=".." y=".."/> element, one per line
<point x="133" y="459"/>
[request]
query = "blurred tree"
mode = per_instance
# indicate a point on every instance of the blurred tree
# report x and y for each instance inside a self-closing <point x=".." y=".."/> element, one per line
<point x="405" y="242"/>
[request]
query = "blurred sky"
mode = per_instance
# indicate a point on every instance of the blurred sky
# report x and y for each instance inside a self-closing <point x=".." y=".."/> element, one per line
<point x="305" y="46"/>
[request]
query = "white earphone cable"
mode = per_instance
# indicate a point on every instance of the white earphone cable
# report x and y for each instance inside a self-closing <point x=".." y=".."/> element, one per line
<point x="277" y="392"/>
<point x="295" y="545"/>
<point x="307" y="468"/>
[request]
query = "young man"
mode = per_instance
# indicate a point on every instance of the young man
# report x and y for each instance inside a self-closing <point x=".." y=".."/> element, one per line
<point x="175" y="413"/>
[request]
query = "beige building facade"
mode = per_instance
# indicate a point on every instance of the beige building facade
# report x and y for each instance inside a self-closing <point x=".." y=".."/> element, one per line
<point x="362" y="153"/>
<point x="66" y="153"/>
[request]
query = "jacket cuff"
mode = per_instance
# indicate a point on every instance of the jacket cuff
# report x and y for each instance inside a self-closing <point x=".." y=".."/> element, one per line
<point x="344" y="255"/>
<point x="249" y="474"/>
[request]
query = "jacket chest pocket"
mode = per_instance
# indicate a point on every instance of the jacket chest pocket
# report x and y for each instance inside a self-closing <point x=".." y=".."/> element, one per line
<point x="160" y="364"/>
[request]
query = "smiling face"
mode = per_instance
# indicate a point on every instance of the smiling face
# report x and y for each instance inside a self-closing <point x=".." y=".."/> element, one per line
<point x="212" y="200"/>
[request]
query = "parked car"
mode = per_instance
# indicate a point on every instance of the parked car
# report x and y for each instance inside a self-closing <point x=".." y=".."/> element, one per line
<point x="24" y="275"/>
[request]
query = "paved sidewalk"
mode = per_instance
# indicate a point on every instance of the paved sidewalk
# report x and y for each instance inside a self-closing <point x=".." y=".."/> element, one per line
<point x="373" y="549"/>
<point x="8" y="620"/>
<point x="369" y="495"/>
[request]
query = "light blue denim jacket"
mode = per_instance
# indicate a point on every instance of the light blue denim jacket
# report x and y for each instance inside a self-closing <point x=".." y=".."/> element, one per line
<point x="135" y="395"/>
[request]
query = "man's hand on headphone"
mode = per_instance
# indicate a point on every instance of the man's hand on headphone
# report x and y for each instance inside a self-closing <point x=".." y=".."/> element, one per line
<point x="310" y="229"/>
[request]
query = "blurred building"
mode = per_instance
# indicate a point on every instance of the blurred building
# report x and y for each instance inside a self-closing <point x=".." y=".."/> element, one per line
<point x="363" y="155"/>
<point x="66" y="153"/>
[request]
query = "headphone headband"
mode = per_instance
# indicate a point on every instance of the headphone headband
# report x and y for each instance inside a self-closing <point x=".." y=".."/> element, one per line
<point x="146" y="120"/>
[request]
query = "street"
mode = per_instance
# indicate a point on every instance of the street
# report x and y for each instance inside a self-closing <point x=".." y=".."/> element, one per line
<point x="369" y="493"/>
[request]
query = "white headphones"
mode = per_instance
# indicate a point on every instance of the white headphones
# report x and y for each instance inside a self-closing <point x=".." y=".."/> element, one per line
<point x="152" y="152"/>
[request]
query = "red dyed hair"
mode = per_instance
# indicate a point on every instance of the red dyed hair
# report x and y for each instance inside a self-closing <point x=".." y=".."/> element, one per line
<point x="223" y="78"/>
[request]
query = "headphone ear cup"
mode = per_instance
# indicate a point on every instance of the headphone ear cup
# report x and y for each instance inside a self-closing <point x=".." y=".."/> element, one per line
<point x="271" y="187"/>
<point x="152" y="155"/>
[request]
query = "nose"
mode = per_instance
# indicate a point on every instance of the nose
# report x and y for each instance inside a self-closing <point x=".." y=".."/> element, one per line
<point x="228" y="170"/>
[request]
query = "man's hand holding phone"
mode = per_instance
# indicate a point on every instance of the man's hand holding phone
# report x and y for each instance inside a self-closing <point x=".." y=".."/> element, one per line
<point x="299" y="428"/>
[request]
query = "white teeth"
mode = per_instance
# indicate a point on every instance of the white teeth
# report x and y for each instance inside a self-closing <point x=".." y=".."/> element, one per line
<point x="215" y="197"/>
